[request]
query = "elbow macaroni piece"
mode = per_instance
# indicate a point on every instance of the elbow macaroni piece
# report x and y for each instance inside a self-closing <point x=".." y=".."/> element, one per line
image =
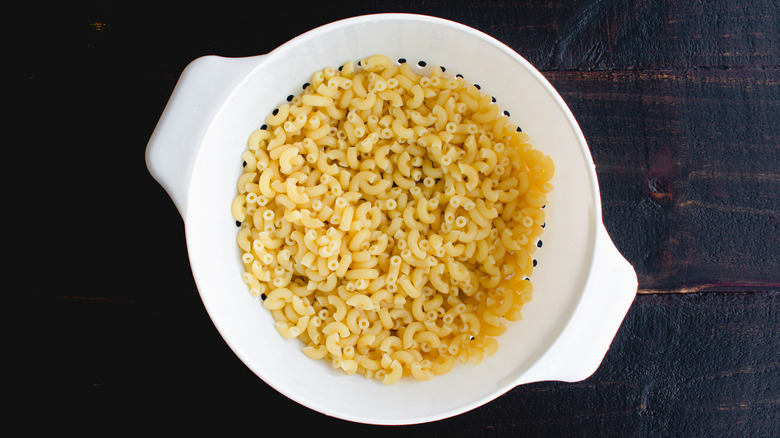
<point x="387" y="219"/>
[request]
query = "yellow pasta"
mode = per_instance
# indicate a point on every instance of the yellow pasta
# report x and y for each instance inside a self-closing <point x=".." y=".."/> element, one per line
<point x="388" y="219"/>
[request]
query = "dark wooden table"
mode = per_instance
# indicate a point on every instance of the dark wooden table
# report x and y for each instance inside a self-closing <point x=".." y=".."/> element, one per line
<point x="679" y="101"/>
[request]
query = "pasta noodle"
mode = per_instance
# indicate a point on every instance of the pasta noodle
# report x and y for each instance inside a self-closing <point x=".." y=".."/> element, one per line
<point x="387" y="219"/>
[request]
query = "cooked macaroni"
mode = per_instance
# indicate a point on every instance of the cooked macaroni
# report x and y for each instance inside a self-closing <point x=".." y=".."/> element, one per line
<point x="388" y="218"/>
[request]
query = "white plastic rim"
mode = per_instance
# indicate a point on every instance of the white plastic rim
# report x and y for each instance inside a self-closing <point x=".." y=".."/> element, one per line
<point x="583" y="286"/>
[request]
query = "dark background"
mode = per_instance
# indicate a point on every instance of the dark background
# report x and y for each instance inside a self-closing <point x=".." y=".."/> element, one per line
<point x="679" y="101"/>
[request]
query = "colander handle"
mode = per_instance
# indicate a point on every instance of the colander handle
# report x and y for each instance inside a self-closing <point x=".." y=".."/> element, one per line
<point x="580" y="349"/>
<point x="199" y="93"/>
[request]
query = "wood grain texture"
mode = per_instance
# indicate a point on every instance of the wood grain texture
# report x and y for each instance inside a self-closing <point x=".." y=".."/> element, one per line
<point x="689" y="169"/>
<point x="639" y="35"/>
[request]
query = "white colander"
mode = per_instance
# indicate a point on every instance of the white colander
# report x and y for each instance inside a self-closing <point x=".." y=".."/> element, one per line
<point x="583" y="287"/>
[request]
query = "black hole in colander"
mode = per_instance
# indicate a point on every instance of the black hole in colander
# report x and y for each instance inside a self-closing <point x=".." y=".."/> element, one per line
<point x="421" y="63"/>
<point x="402" y="60"/>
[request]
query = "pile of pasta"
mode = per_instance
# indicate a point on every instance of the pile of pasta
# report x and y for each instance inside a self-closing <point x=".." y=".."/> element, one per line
<point x="388" y="217"/>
